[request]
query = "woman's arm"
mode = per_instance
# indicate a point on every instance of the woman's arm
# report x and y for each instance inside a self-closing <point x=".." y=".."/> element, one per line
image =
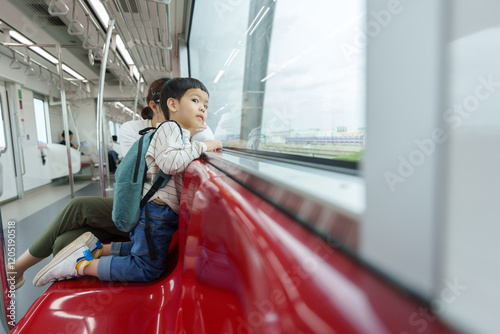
<point x="129" y="134"/>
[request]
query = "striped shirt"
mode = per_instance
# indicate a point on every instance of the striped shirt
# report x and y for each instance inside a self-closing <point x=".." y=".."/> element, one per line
<point x="167" y="152"/>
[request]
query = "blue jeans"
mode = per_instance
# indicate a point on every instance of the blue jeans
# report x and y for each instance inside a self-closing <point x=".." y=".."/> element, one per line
<point x="130" y="261"/>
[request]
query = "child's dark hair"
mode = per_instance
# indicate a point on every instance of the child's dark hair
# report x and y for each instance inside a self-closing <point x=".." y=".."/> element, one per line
<point x="69" y="131"/>
<point x="176" y="88"/>
<point x="153" y="95"/>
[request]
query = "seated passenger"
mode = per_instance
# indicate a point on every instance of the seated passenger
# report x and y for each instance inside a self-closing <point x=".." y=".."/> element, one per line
<point x="89" y="213"/>
<point x="84" y="159"/>
<point x="115" y="146"/>
<point x="63" y="141"/>
<point x="185" y="101"/>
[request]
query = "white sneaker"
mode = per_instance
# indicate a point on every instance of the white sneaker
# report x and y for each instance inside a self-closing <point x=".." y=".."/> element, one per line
<point x="93" y="244"/>
<point x="68" y="263"/>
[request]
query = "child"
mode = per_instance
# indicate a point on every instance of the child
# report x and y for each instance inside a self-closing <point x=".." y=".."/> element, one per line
<point x="183" y="100"/>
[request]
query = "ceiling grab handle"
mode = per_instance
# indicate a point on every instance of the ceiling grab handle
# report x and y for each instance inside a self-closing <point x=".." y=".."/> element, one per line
<point x="58" y="8"/>
<point x="100" y="113"/>
<point x="91" y="58"/>
<point x="89" y="42"/>
<point x="7" y="324"/>
<point x="30" y="71"/>
<point x="41" y="75"/>
<point x="65" y="119"/>
<point x="75" y="27"/>
<point x="14" y="64"/>
<point x="98" y="53"/>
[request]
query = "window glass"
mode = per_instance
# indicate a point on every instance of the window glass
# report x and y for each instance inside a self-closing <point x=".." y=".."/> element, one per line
<point x="3" y="140"/>
<point x="217" y="48"/>
<point x="112" y="129"/>
<point x="283" y="77"/>
<point x="41" y="125"/>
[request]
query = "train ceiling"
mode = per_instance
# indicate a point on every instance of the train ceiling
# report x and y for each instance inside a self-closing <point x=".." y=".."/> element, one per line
<point x="149" y="30"/>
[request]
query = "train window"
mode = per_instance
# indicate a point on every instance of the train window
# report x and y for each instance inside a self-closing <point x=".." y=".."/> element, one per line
<point x="114" y="129"/>
<point x="255" y="59"/>
<point x="41" y="123"/>
<point x="3" y="140"/>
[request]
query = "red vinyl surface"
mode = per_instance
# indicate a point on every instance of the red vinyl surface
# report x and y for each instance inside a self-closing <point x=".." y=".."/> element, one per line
<point x="239" y="266"/>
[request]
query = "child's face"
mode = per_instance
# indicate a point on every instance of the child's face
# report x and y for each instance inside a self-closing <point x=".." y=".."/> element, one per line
<point x="191" y="111"/>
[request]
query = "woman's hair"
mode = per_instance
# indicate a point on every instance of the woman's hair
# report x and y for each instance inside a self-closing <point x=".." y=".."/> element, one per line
<point x="153" y="95"/>
<point x="176" y="88"/>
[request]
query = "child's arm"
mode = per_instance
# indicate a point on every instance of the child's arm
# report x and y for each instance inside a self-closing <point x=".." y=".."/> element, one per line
<point x="169" y="152"/>
<point x="213" y="145"/>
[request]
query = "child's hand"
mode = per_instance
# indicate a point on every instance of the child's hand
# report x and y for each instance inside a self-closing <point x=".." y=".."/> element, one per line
<point x="197" y="130"/>
<point x="213" y="145"/>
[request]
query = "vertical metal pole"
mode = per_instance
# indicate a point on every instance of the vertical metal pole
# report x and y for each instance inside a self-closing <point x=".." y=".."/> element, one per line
<point x="136" y="98"/>
<point x="15" y="124"/>
<point x="100" y="114"/>
<point x="106" y="156"/>
<point x="65" y="118"/>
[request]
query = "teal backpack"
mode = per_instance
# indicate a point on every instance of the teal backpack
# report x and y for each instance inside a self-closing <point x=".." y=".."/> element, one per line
<point x="129" y="183"/>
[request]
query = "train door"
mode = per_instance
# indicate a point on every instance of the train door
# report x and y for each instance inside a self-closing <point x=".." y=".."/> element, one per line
<point x="33" y="138"/>
<point x="24" y="161"/>
<point x="7" y="151"/>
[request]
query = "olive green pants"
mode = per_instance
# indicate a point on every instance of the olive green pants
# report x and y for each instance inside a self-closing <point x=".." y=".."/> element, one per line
<point x="80" y="215"/>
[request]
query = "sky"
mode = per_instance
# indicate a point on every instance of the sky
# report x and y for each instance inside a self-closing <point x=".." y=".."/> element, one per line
<point x="310" y="82"/>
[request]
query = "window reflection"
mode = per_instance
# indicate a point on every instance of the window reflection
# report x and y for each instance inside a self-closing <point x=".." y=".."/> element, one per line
<point x="283" y="77"/>
<point x="217" y="48"/>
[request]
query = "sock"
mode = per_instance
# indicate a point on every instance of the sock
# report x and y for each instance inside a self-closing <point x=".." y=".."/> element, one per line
<point x="84" y="261"/>
<point x="97" y="252"/>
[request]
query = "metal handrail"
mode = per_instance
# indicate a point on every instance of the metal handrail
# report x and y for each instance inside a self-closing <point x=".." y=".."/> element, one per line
<point x="72" y="118"/>
<point x="101" y="33"/>
<point x="108" y="9"/>
<point x="65" y="119"/>
<point x="141" y="62"/>
<point x="100" y="113"/>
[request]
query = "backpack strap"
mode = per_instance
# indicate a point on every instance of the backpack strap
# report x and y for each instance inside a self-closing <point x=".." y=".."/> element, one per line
<point x="182" y="134"/>
<point x="147" y="233"/>
<point x="159" y="181"/>
<point x="161" y="178"/>
<point x="146" y="130"/>
<point x="138" y="160"/>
